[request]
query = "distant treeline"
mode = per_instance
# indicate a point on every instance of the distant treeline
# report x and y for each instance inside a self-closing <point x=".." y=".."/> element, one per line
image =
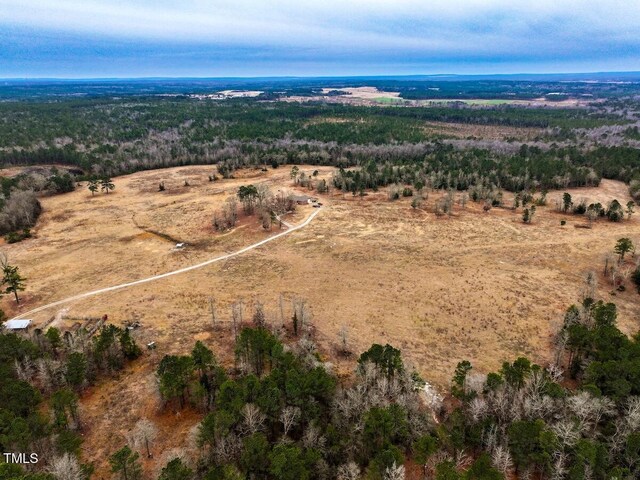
<point x="449" y="167"/>
<point x="91" y="123"/>
<point x="112" y="137"/>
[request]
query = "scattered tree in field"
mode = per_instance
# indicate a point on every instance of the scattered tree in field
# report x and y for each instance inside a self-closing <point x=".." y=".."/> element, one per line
<point x="322" y="187"/>
<point x="343" y="341"/>
<point x="590" y="285"/>
<point x="294" y="173"/>
<point x="267" y="217"/>
<point x="580" y="208"/>
<point x="295" y="323"/>
<point x="228" y="217"/>
<point x="528" y="213"/>
<point x="125" y="464"/>
<point x="236" y="318"/>
<point x="301" y="315"/>
<point x="303" y="180"/>
<point x="259" y="317"/>
<point x="623" y="246"/>
<point x="630" y="205"/>
<point x="12" y="281"/>
<point x="593" y="211"/>
<point x="212" y="310"/>
<point x="614" y="212"/>
<point x="567" y="202"/>
<point x="248" y="195"/>
<point x="106" y="184"/>
<point x="143" y="434"/>
<point x="93" y="186"/>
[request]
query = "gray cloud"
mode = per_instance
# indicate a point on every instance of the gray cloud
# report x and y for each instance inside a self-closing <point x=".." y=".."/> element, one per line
<point x="499" y="32"/>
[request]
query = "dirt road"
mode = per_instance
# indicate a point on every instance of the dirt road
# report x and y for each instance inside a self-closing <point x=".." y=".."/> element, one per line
<point x="291" y="229"/>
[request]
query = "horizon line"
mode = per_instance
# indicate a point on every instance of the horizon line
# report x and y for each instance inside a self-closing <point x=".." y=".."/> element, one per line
<point x="311" y="77"/>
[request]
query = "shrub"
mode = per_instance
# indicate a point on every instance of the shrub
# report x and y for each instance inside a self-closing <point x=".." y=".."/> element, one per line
<point x="635" y="276"/>
<point x="580" y="208"/>
<point x="20" y="211"/>
<point x="15" y="237"/>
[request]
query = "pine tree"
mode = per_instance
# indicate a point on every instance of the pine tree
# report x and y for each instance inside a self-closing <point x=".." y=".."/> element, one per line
<point x="106" y="184"/>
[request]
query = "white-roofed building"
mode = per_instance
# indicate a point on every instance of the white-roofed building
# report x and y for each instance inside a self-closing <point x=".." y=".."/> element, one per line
<point x="17" y="325"/>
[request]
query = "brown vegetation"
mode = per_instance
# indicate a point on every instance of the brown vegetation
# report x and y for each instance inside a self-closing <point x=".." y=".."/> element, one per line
<point x="471" y="285"/>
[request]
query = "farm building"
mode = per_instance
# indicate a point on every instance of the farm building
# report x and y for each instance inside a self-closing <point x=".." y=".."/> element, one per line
<point x="303" y="199"/>
<point x="17" y="325"/>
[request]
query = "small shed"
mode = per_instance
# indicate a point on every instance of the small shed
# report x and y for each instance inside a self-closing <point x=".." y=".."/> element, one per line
<point x="17" y="325"/>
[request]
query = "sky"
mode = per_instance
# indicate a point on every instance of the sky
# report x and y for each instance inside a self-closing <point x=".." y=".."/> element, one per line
<point x="220" y="38"/>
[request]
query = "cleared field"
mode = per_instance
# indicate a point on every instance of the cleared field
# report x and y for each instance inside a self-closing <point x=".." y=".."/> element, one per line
<point x="390" y="273"/>
<point x="440" y="288"/>
<point x="485" y="132"/>
<point x="367" y="93"/>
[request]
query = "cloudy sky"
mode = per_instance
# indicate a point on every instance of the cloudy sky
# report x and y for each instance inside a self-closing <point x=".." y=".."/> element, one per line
<point x="137" y="38"/>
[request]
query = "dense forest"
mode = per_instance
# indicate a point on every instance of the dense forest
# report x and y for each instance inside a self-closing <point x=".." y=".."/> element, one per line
<point x="109" y="136"/>
<point x="281" y="412"/>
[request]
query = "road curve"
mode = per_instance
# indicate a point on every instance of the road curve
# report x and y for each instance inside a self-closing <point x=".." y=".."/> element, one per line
<point x="173" y="272"/>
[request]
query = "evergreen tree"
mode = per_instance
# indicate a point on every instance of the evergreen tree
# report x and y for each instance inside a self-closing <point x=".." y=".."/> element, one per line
<point x="125" y="463"/>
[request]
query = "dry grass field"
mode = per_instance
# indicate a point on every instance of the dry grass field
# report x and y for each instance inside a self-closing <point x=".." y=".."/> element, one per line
<point x="476" y="285"/>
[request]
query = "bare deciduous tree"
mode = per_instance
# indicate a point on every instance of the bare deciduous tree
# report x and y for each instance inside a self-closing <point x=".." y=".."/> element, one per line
<point x="212" y="310"/>
<point x="343" y="341"/>
<point x="394" y="472"/>
<point x="66" y="467"/>
<point x="142" y="435"/>
<point x="253" y="418"/>
<point x="501" y="459"/>
<point x="289" y="417"/>
<point x="348" y="471"/>
<point x="259" y="318"/>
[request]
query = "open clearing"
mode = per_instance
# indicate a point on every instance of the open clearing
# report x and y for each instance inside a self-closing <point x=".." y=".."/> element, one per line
<point x="477" y="286"/>
<point x="373" y="96"/>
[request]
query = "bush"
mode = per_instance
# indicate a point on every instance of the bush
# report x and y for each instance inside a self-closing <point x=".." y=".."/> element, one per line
<point x="580" y="208"/>
<point x="20" y="211"/>
<point x="15" y="237"/>
<point x="635" y="276"/>
<point x="563" y="222"/>
<point x="61" y="183"/>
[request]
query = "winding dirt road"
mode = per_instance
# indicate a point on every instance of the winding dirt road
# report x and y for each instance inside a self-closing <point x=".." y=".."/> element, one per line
<point x="291" y="229"/>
